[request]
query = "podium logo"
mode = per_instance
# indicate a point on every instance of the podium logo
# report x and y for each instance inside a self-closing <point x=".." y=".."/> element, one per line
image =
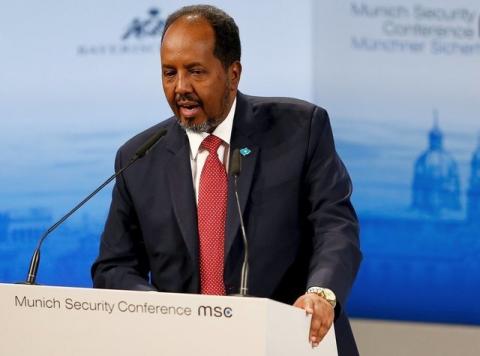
<point x="214" y="312"/>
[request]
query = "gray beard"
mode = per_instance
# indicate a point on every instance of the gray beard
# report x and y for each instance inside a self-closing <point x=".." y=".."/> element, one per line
<point x="209" y="125"/>
<point x="206" y="126"/>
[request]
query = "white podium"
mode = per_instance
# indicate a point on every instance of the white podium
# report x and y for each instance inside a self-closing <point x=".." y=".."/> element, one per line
<point x="57" y="321"/>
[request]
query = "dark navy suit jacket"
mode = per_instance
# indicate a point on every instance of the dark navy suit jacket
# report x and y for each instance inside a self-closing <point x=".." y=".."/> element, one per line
<point x="294" y="193"/>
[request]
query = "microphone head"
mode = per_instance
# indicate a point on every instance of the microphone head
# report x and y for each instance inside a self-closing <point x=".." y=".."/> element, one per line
<point x="143" y="150"/>
<point x="235" y="163"/>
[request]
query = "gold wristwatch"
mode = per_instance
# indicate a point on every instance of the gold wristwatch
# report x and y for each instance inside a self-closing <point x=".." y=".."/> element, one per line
<point x="325" y="293"/>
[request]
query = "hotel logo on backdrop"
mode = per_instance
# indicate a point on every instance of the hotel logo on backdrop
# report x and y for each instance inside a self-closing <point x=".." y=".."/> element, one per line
<point x="416" y="29"/>
<point x="139" y="35"/>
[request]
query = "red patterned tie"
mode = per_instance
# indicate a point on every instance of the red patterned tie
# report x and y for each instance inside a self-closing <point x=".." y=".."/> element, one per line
<point x="212" y="212"/>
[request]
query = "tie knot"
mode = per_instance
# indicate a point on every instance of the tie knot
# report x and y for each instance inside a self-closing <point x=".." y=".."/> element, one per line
<point x="211" y="143"/>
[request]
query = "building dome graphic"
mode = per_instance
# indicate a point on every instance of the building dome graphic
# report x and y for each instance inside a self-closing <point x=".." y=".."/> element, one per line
<point x="436" y="182"/>
<point x="473" y="194"/>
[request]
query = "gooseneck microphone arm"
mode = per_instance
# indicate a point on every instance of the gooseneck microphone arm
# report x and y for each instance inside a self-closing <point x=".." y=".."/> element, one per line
<point x="141" y="151"/>
<point x="235" y="169"/>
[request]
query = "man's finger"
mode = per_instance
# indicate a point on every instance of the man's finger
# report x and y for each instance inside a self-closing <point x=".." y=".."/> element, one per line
<point x="323" y="331"/>
<point x="309" y="305"/>
<point x="322" y="320"/>
<point x="316" y="324"/>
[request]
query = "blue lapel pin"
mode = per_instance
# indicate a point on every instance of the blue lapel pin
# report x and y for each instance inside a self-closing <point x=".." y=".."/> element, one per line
<point x="245" y="151"/>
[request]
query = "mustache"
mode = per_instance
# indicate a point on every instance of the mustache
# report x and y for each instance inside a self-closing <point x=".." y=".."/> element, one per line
<point x="187" y="97"/>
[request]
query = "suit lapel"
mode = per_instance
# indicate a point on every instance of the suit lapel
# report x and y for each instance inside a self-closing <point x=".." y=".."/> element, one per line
<point x="243" y="131"/>
<point x="181" y="188"/>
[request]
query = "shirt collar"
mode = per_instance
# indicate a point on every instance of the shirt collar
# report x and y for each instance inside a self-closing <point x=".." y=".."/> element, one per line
<point x="223" y="131"/>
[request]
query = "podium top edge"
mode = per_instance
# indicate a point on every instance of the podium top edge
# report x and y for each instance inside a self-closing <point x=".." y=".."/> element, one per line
<point x="125" y="291"/>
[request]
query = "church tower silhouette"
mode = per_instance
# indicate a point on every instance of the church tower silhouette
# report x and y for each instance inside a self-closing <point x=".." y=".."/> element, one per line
<point x="473" y="194"/>
<point x="436" y="182"/>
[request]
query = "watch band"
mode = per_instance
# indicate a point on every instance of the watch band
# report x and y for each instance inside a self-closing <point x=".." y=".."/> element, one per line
<point x="324" y="293"/>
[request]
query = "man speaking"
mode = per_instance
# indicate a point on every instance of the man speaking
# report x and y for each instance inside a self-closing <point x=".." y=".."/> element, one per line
<point x="172" y="225"/>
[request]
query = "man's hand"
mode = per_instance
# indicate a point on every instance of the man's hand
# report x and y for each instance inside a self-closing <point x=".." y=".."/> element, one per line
<point x="322" y="315"/>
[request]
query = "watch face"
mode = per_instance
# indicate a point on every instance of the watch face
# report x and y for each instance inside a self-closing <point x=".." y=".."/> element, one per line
<point x="329" y="294"/>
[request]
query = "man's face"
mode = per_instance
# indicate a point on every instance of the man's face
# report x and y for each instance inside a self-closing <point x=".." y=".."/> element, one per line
<point x="198" y="88"/>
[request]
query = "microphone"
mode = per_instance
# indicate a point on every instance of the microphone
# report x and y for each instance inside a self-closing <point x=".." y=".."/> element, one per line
<point x="235" y="170"/>
<point x="235" y="164"/>
<point x="141" y="151"/>
<point x="147" y="146"/>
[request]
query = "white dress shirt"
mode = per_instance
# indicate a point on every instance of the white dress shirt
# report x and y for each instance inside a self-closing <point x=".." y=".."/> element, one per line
<point x="198" y="157"/>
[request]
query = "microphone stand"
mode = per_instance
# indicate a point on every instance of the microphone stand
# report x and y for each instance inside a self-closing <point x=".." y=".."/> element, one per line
<point x="235" y="169"/>
<point x="35" y="260"/>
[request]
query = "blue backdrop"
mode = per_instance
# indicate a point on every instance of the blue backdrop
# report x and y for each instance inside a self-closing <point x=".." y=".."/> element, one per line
<point x="399" y="79"/>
